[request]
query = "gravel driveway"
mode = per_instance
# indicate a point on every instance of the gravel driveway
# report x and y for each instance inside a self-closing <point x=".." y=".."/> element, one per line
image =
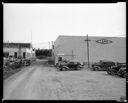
<point x="40" y="82"/>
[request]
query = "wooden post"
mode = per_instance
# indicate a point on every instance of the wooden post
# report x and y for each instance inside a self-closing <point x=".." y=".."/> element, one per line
<point x="88" y="50"/>
<point x="19" y="50"/>
<point x="49" y="45"/>
<point x="72" y="55"/>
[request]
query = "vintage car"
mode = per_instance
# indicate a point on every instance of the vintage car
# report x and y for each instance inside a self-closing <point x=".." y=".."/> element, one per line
<point x="26" y="62"/>
<point x="119" y="69"/>
<point x="68" y="65"/>
<point x="122" y="72"/>
<point x="102" y="65"/>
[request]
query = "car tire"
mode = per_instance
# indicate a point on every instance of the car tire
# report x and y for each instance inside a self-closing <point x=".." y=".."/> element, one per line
<point x="108" y="72"/>
<point x="112" y="73"/>
<point x="96" y="68"/>
<point x="65" y="68"/>
<point x="78" y="68"/>
<point x="60" y="69"/>
<point x="125" y="75"/>
<point x="57" y="66"/>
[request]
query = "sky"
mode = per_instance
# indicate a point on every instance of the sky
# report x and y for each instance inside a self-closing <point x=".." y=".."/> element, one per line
<point x="41" y="23"/>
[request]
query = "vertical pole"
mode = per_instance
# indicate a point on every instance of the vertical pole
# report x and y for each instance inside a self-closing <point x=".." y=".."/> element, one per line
<point x="52" y="47"/>
<point x="88" y="51"/>
<point x="31" y="39"/>
<point x="19" y="50"/>
<point x="31" y="44"/>
<point x="72" y="55"/>
<point x="8" y="46"/>
<point x="49" y="45"/>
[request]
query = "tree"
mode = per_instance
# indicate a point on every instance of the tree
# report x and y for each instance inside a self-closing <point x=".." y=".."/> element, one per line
<point x="43" y="52"/>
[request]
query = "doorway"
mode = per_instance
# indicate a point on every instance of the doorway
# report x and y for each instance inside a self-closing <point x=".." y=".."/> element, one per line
<point x="24" y="55"/>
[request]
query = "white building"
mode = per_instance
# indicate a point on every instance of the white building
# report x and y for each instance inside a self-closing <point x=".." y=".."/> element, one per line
<point x="100" y="48"/>
<point x="23" y="50"/>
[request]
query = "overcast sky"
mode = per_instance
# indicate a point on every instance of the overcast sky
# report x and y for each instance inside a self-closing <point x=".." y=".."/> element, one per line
<point x="45" y="22"/>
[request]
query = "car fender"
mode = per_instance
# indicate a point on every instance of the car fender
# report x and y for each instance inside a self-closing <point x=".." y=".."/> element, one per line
<point x="96" y="68"/>
<point x="66" y="68"/>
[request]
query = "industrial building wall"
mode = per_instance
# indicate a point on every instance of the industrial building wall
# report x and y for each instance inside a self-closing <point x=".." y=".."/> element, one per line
<point x="76" y="45"/>
<point x="115" y="51"/>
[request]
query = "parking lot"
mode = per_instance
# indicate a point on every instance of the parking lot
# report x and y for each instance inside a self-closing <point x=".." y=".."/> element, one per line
<point x="41" y="82"/>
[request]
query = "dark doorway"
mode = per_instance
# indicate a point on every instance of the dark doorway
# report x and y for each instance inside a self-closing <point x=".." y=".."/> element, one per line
<point x="15" y="55"/>
<point x="59" y="58"/>
<point x="24" y="54"/>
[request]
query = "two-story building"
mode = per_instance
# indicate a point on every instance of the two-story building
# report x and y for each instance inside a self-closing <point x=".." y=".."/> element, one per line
<point x="23" y="50"/>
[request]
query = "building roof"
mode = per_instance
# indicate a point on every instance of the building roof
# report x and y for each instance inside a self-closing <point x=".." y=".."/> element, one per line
<point x="75" y="38"/>
<point x="80" y="36"/>
<point x="22" y="45"/>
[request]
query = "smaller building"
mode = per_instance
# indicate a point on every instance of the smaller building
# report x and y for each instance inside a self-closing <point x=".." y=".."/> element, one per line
<point x="16" y="50"/>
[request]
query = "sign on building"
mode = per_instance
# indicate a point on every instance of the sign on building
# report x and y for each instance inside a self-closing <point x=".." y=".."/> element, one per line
<point x="104" y="41"/>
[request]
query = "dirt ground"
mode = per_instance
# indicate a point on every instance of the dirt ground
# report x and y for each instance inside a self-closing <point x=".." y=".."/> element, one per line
<point x="40" y="82"/>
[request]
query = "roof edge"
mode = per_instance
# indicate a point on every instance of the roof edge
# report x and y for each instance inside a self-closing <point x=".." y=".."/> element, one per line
<point x="89" y="36"/>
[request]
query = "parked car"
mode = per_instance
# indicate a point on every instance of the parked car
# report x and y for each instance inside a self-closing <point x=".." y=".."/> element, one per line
<point x="102" y="65"/>
<point x="26" y="62"/>
<point x="68" y="65"/>
<point x="122" y="72"/>
<point x="119" y="69"/>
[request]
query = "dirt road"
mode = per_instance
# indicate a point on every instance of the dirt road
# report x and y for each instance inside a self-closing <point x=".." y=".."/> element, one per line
<point x="39" y="82"/>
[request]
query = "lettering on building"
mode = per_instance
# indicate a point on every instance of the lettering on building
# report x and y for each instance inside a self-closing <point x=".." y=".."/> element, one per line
<point x="104" y="41"/>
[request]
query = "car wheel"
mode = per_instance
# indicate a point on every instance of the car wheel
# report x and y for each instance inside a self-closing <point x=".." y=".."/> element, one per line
<point x="108" y="72"/>
<point x="96" y="68"/>
<point x="112" y="73"/>
<point x="57" y="66"/>
<point x="93" y="68"/>
<point x="63" y="68"/>
<point x="60" y="69"/>
<point x="125" y="75"/>
<point x="78" y="68"/>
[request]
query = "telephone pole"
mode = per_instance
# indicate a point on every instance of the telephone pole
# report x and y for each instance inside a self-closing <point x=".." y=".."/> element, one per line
<point x="88" y="50"/>
<point x="52" y="48"/>
<point x="31" y="43"/>
<point x="31" y="38"/>
<point x="72" y="55"/>
<point x="49" y="45"/>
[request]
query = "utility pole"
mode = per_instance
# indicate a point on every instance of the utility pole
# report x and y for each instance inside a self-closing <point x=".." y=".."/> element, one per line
<point x="8" y="47"/>
<point x="8" y="44"/>
<point x="88" y="50"/>
<point x="72" y="55"/>
<point x="31" y="43"/>
<point x="49" y="45"/>
<point x="52" y="47"/>
<point x="31" y="39"/>
<point x="19" y="50"/>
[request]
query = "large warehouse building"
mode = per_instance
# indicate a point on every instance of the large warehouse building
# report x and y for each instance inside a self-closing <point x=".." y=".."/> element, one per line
<point x="100" y="48"/>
